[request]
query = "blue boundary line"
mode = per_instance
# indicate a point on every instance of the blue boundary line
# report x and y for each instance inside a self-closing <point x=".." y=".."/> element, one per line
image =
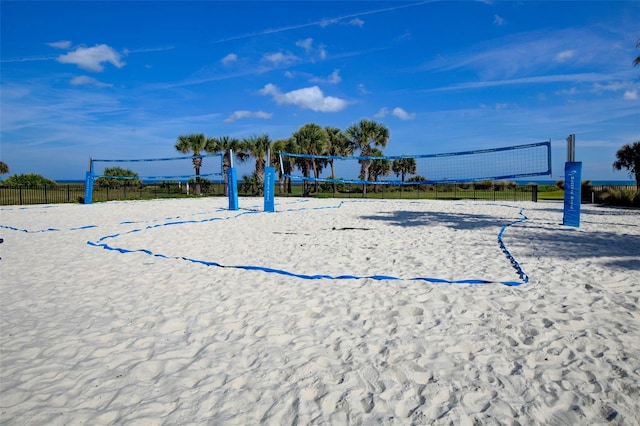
<point x="171" y="221"/>
<point x="514" y="263"/>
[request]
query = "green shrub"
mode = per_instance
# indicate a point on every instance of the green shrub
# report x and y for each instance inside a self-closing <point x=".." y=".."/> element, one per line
<point x="30" y="179"/>
<point x="128" y="178"/>
<point x="621" y="197"/>
<point x="483" y="185"/>
<point x="418" y="178"/>
<point x="503" y="185"/>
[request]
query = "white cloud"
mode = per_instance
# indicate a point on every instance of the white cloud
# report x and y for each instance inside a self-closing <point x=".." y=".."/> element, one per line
<point x="231" y="57"/>
<point x="92" y="58"/>
<point x="384" y="111"/>
<point x="631" y="95"/>
<point x="396" y="112"/>
<point x="280" y="58"/>
<point x="307" y="98"/>
<point x="357" y="22"/>
<point x="565" y="55"/>
<point x="363" y="89"/>
<point x="306" y="44"/>
<point x="237" y="115"/>
<point x="567" y="92"/>
<point x="148" y="49"/>
<point x="616" y="86"/>
<point x="560" y="78"/>
<point x="322" y="52"/>
<point x="86" y="80"/>
<point x="333" y="78"/>
<point x="62" y="44"/>
<point x="498" y="20"/>
<point x="533" y="53"/>
<point x="402" y="114"/>
<point x="326" y="22"/>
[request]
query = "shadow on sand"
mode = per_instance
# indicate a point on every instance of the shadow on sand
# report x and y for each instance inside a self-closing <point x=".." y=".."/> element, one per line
<point x="530" y="239"/>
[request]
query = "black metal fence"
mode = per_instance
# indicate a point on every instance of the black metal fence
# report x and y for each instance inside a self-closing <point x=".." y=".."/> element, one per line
<point x="74" y="193"/>
<point x="41" y="194"/>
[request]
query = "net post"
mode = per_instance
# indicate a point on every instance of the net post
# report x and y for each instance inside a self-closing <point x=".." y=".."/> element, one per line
<point x="269" y="185"/>
<point x="572" y="186"/>
<point x="571" y="148"/>
<point x="88" y="183"/>
<point x="269" y="189"/>
<point x="232" y="184"/>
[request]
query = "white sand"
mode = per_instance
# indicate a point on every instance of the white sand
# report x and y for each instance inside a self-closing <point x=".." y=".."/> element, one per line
<point x="95" y="336"/>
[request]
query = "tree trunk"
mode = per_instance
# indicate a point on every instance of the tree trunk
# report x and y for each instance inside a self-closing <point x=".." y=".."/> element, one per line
<point x="365" y="178"/>
<point x="333" y="176"/>
<point x="315" y="174"/>
<point x="225" y="166"/>
<point x="259" y="177"/>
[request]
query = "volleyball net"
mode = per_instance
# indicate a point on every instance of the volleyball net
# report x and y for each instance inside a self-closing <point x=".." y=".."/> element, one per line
<point x="159" y="169"/>
<point x="511" y="162"/>
<point x="142" y="170"/>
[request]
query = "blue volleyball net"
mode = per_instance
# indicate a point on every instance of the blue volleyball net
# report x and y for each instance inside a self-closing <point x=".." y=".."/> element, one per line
<point x="511" y="162"/>
<point x="161" y="169"/>
<point x="150" y="170"/>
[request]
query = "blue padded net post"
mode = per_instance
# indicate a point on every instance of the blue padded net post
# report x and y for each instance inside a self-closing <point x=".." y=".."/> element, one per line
<point x="232" y="181"/>
<point x="88" y="187"/>
<point x="269" y="189"/>
<point x="572" y="193"/>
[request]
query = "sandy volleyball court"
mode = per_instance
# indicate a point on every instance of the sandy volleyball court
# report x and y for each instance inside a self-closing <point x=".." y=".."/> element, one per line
<point x="326" y="312"/>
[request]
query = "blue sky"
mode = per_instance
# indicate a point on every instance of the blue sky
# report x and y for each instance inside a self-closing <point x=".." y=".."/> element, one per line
<point x="124" y="79"/>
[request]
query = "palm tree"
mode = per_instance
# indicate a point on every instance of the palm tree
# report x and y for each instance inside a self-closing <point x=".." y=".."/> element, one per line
<point x="224" y="144"/>
<point x="4" y="169"/>
<point x="337" y="145"/>
<point x="361" y="135"/>
<point x="289" y="163"/>
<point x="257" y="147"/>
<point x="637" y="60"/>
<point x="628" y="157"/>
<point x="276" y="148"/>
<point x="196" y="143"/>
<point x="311" y="139"/>
<point x="378" y="168"/>
<point x="404" y="166"/>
